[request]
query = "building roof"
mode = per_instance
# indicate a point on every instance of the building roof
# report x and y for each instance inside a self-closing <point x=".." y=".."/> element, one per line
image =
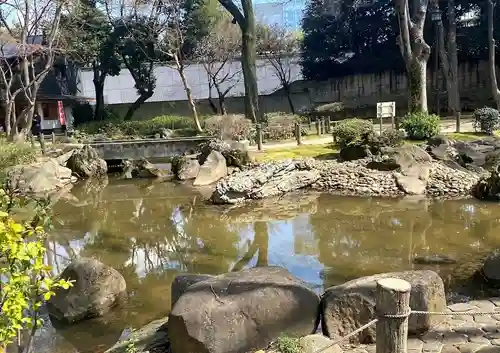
<point x="120" y="89"/>
<point x="10" y="49"/>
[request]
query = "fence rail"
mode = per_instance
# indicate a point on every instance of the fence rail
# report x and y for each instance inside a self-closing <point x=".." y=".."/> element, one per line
<point x="392" y="311"/>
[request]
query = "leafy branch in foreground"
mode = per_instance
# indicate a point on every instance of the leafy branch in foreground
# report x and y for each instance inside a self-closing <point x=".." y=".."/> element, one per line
<point x="26" y="281"/>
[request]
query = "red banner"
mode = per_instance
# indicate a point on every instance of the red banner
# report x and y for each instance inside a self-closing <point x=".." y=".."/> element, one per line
<point x="60" y="110"/>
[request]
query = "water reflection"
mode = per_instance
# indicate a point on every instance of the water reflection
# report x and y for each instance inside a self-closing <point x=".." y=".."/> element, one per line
<point x="153" y="232"/>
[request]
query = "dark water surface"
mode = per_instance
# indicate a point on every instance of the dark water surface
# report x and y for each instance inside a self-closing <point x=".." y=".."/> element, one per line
<point x="152" y="232"/>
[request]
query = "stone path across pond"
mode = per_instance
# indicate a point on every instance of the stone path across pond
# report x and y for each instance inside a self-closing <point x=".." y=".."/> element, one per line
<point x="456" y="334"/>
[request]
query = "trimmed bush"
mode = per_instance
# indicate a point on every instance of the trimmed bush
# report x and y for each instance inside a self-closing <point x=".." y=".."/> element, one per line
<point x="421" y="126"/>
<point x="281" y="126"/>
<point x="349" y="131"/>
<point x="232" y="127"/>
<point x="183" y="126"/>
<point x="486" y="120"/>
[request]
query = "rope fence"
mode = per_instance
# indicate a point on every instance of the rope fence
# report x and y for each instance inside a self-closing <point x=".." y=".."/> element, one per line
<point x="392" y="314"/>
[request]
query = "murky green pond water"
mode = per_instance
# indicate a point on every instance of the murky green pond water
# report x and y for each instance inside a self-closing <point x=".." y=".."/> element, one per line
<point x="153" y="232"/>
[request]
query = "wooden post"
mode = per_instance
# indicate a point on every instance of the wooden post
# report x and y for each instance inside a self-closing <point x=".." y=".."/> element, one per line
<point x="259" y="136"/>
<point x="327" y="125"/>
<point x="53" y="138"/>
<point x="298" y="134"/>
<point x="393" y="298"/>
<point x="318" y="131"/>
<point x="41" y="139"/>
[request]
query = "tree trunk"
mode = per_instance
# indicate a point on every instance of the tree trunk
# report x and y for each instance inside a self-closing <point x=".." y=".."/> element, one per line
<point x="286" y="88"/>
<point x="7" y="111"/>
<point x="415" y="51"/>
<point x="248" y="51"/>
<point x="491" y="51"/>
<point x="99" y="101"/>
<point x="212" y="105"/>
<point x="417" y="85"/>
<point x="137" y="104"/>
<point x="452" y="53"/>
<point x="192" y="106"/>
<point x="222" y="104"/>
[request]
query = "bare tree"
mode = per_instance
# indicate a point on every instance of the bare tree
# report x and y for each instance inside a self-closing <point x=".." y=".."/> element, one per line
<point x="448" y="56"/>
<point x="25" y="61"/>
<point x="218" y="51"/>
<point x="490" y="12"/>
<point x="174" y="48"/>
<point x="414" y="49"/>
<point x="280" y="48"/>
<point x="245" y="19"/>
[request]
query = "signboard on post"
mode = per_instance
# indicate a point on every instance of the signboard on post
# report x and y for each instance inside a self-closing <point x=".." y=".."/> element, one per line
<point x="386" y="110"/>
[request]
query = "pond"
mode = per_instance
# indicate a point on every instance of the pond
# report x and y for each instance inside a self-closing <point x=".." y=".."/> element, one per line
<point x="152" y="232"/>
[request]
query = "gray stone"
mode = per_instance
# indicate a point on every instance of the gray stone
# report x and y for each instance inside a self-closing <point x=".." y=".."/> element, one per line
<point x="483" y="305"/>
<point x="350" y="305"/>
<point x="489" y="349"/>
<point x="242" y="311"/>
<point x="461" y="307"/>
<point x="410" y="185"/>
<point x="188" y="170"/>
<point x="485" y="319"/>
<point x="455" y="338"/>
<point x="182" y="283"/>
<point x="491" y="267"/>
<point x="268" y="179"/>
<point x="479" y="340"/>
<point x="313" y="343"/>
<point x="432" y="347"/>
<point x="150" y="338"/>
<point x="449" y="348"/>
<point x="96" y="289"/>
<point x="212" y="170"/>
<point x="470" y="347"/>
<point x="86" y="163"/>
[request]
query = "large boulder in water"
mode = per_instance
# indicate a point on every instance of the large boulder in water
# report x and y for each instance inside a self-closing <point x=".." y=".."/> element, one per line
<point x="245" y="311"/>
<point x="488" y="188"/>
<point x="212" y="170"/>
<point x="350" y="305"/>
<point x="267" y="179"/>
<point x="96" y="289"/>
<point x="86" y="163"/>
<point x="185" y="167"/>
<point x="235" y="157"/>
<point x="400" y="158"/>
<point x="491" y="268"/>
<point x="42" y="178"/>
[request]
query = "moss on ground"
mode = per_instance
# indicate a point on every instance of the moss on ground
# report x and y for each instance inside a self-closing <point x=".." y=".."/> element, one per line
<point x="328" y="151"/>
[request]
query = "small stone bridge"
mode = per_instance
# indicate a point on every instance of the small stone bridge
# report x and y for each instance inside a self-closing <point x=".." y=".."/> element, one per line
<point x="147" y="148"/>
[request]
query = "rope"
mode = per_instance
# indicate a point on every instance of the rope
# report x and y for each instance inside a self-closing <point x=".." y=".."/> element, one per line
<point x="402" y="316"/>
<point x="362" y="328"/>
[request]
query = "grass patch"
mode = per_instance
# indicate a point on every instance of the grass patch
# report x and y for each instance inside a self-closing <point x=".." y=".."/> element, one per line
<point x="12" y="154"/>
<point x="286" y="344"/>
<point x="470" y="136"/>
<point x="328" y="151"/>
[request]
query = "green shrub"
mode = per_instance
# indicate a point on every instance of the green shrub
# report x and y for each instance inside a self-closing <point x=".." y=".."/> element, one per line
<point x="390" y="138"/>
<point x="286" y="344"/>
<point x="12" y="154"/>
<point x="232" y="127"/>
<point x="349" y="131"/>
<point x="421" y="126"/>
<point x="486" y="120"/>
<point x="118" y="128"/>
<point x="281" y="126"/>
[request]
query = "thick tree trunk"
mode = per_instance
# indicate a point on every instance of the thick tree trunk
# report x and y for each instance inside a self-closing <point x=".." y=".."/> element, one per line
<point x="192" y="106"/>
<point x="212" y="105"/>
<point x="417" y="85"/>
<point x="415" y="51"/>
<point x="250" y="76"/>
<point x="137" y="104"/>
<point x="99" y="101"/>
<point x="491" y="51"/>
<point x="453" y="55"/>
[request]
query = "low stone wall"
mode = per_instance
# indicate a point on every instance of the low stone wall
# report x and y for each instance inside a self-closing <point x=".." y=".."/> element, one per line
<point x="147" y="148"/>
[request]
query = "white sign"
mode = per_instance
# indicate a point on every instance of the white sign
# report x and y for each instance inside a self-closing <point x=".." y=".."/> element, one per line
<point x="386" y="109"/>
